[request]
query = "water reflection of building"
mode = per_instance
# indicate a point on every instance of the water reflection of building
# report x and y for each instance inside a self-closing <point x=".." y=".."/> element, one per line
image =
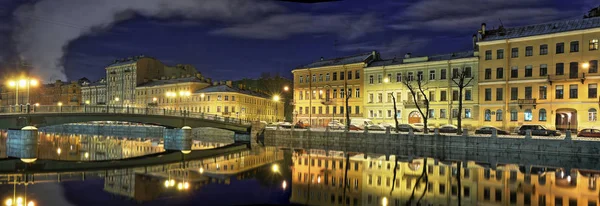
<point x="315" y="181"/>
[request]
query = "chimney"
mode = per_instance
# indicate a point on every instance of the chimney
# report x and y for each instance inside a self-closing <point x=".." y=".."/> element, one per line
<point x="228" y="83"/>
<point x="374" y="53"/>
<point x="474" y="41"/>
<point x="407" y="55"/>
<point x="483" y="29"/>
<point x="322" y="59"/>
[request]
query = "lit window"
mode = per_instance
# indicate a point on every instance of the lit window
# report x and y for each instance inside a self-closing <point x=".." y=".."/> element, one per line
<point x="592" y="115"/>
<point x="528" y="115"/>
<point x="488" y="115"/>
<point x="542" y="115"/>
<point x="594" y="44"/>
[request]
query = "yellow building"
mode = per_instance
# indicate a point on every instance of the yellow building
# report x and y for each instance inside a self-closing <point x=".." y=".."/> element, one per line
<point x="540" y="74"/>
<point x="197" y="95"/>
<point x="321" y="87"/>
<point x="384" y="79"/>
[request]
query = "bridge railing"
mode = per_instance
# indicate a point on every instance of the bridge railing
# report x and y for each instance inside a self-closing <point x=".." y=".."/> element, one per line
<point x="117" y="110"/>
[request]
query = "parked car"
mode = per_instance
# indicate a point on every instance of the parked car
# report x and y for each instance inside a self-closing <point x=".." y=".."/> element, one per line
<point x="488" y="130"/>
<point x="284" y="124"/>
<point x="335" y="125"/>
<point x="448" y="129"/>
<point x="406" y="127"/>
<point x="386" y="125"/>
<point x="365" y="123"/>
<point x="354" y="128"/>
<point x="421" y="126"/>
<point x="589" y="133"/>
<point x="537" y="130"/>
<point x="301" y="125"/>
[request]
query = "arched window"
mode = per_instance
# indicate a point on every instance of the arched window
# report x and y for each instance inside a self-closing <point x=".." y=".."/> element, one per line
<point x="499" y="115"/>
<point x="528" y="115"/>
<point x="592" y="115"/>
<point x="488" y="115"/>
<point x="513" y="115"/>
<point x="542" y="114"/>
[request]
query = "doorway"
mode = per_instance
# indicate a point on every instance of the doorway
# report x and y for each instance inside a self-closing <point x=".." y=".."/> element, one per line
<point x="414" y="117"/>
<point x="566" y="119"/>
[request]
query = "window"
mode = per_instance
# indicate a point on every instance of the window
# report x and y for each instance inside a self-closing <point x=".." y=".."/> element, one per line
<point x="443" y="73"/>
<point x="593" y="44"/>
<point x="431" y="74"/>
<point x="499" y="115"/>
<point x="559" y="92"/>
<point x="349" y="75"/>
<point x="370" y="79"/>
<point x="468" y="95"/>
<point x="514" y="72"/>
<point x="543" y="49"/>
<point x="593" y="66"/>
<point x="543" y="92"/>
<point x="488" y="55"/>
<point x="513" y="115"/>
<point x="314" y="77"/>
<point x="488" y="73"/>
<point x="327" y="77"/>
<point x="560" y="48"/>
<point x="528" y="71"/>
<point x="500" y="54"/>
<point x="592" y="90"/>
<point x="560" y="68"/>
<point x="419" y="75"/>
<point x="454" y="73"/>
<point x="379" y="77"/>
<point x="370" y="98"/>
<point x="573" y="91"/>
<point x="573" y="69"/>
<point x="467" y="71"/>
<point x="529" y="51"/>
<point x="409" y="77"/>
<point x="334" y="78"/>
<point x="528" y="115"/>
<point x="592" y="115"/>
<point x="357" y="93"/>
<point x="542" y="115"/>
<point x="486" y="193"/>
<point x="379" y="97"/>
<point x="514" y="53"/>
<point x="301" y="79"/>
<point x="514" y="93"/>
<point x="454" y="113"/>
<point x="488" y="94"/>
<point x="357" y="74"/>
<point x="468" y="113"/>
<point x="572" y="202"/>
<point x="341" y="75"/>
<point x="499" y="94"/>
<point x="528" y="91"/>
<point x="443" y="113"/>
<point x="389" y="77"/>
<point x="432" y="96"/>
<point x="454" y="95"/>
<point x="443" y="96"/>
<point x="513" y="197"/>
<point x="431" y="113"/>
<point x="574" y="46"/>
<point x="398" y="77"/>
<point x="488" y="115"/>
<point x="499" y="73"/>
<point x="543" y="70"/>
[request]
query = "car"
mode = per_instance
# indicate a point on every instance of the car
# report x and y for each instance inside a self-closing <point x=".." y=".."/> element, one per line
<point x="301" y="125"/>
<point x="421" y="126"/>
<point x="448" y="129"/>
<point x="386" y="125"/>
<point x="284" y="124"/>
<point x="354" y="128"/>
<point x="335" y="125"/>
<point x="488" y="130"/>
<point x="406" y="127"/>
<point x="589" y="133"/>
<point x="537" y="130"/>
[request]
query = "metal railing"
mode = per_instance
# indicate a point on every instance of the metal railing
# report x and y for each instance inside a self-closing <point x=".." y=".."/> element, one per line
<point x="93" y="109"/>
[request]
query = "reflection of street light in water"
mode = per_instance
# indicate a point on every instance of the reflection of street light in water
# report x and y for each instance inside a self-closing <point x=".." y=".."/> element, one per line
<point x="201" y="170"/>
<point x="284" y="184"/>
<point x="275" y="168"/>
<point x="384" y="201"/>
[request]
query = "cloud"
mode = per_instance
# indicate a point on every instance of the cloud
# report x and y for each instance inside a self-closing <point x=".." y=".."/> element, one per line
<point x="282" y="26"/>
<point x="442" y="15"/>
<point x="43" y="30"/>
<point x="398" y="45"/>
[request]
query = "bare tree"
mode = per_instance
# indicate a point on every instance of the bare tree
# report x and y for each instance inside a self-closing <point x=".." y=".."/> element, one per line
<point x="347" y="98"/>
<point x="462" y="78"/>
<point x="416" y="88"/>
<point x="395" y="113"/>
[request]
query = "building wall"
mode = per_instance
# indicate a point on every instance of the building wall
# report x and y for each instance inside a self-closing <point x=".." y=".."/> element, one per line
<point x="381" y="110"/>
<point x="579" y="107"/>
<point x="96" y="95"/>
<point x="327" y="109"/>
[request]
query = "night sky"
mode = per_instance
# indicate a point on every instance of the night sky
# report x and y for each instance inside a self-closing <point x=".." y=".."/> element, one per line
<point x="233" y="39"/>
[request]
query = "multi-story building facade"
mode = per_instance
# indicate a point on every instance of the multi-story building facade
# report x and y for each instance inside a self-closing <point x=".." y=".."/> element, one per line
<point x="60" y="92"/>
<point x="123" y="75"/>
<point x="384" y="80"/>
<point x="540" y="74"/>
<point x="322" y="87"/>
<point x="94" y="93"/>
<point x="199" y="95"/>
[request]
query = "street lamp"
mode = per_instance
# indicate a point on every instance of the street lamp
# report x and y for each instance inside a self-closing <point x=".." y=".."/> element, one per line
<point x="275" y="168"/>
<point x="27" y="82"/>
<point x="286" y="88"/>
<point x="585" y="65"/>
<point x="276" y="99"/>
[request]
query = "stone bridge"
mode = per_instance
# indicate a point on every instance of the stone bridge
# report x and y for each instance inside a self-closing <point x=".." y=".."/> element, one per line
<point x="40" y="116"/>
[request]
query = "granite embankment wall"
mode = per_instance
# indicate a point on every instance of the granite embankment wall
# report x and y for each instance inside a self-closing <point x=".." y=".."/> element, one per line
<point x="490" y="149"/>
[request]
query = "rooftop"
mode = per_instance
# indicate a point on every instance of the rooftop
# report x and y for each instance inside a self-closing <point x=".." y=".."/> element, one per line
<point x="127" y="60"/>
<point x="364" y="57"/>
<point x="227" y="88"/>
<point x="170" y="81"/>
<point x="437" y="57"/>
<point x="540" y="29"/>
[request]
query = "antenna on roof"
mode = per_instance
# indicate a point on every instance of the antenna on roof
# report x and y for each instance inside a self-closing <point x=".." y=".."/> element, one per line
<point x="501" y="24"/>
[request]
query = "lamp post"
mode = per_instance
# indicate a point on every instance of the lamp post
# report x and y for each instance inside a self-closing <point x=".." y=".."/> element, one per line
<point x="25" y="82"/>
<point x="276" y="100"/>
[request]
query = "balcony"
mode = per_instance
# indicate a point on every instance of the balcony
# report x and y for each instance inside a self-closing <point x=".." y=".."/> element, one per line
<point x="152" y="104"/>
<point x="526" y="102"/>
<point x="327" y="102"/>
<point x="411" y="103"/>
<point x="569" y="77"/>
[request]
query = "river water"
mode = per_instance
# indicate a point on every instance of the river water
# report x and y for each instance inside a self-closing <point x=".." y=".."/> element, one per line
<point x="270" y="175"/>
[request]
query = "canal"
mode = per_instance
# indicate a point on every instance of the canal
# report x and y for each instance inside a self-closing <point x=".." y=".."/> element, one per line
<point x="126" y="169"/>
